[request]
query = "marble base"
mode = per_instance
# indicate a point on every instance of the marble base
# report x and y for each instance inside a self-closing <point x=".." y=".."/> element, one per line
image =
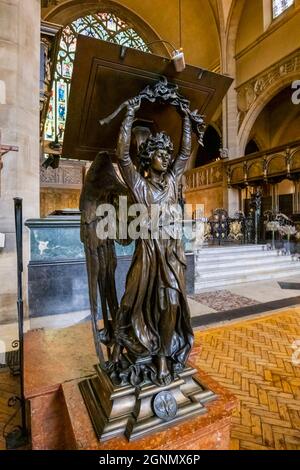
<point x="57" y="360"/>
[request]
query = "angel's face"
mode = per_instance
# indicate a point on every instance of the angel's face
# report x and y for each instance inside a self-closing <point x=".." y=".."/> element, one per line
<point x="160" y="160"/>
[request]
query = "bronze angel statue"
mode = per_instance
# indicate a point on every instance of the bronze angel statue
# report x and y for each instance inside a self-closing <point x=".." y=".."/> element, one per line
<point x="149" y="335"/>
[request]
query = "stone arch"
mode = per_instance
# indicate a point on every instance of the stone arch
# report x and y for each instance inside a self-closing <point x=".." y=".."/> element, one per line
<point x="237" y="174"/>
<point x="252" y="146"/>
<point x="232" y="26"/>
<point x="255" y="170"/>
<point x="295" y="159"/>
<point x="216" y="128"/>
<point x="66" y="12"/>
<point x="276" y="164"/>
<point x="230" y="128"/>
<point x="259" y="104"/>
<point x="259" y="140"/>
<point x="286" y="124"/>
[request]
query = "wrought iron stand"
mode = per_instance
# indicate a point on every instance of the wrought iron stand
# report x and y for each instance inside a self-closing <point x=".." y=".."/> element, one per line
<point x="19" y="435"/>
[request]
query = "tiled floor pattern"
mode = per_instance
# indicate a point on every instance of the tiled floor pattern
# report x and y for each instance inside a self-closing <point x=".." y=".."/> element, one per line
<point x="254" y="360"/>
<point x="221" y="300"/>
<point x="236" y="297"/>
<point x="257" y="361"/>
<point x="9" y="386"/>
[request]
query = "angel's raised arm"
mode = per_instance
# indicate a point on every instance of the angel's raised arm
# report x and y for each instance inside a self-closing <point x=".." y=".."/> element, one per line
<point x="185" y="148"/>
<point x="128" y="171"/>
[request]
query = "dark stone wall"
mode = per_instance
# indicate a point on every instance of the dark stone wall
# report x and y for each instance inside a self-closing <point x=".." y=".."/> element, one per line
<point x="56" y="287"/>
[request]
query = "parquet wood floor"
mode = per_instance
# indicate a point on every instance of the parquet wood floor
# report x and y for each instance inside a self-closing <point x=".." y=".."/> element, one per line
<point x="253" y="359"/>
<point x="9" y="386"/>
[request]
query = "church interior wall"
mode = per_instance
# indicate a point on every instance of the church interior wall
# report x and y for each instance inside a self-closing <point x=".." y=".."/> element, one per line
<point x="199" y="30"/>
<point x="211" y="198"/>
<point x="52" y="199"/>
<point x="214" y="37"/>
<point x="285" y="187"/>
<point x="278" y="123"/>
<point x="280" y="39"/>
<point x="19" y="123"/>
<point x="256" y="46"/>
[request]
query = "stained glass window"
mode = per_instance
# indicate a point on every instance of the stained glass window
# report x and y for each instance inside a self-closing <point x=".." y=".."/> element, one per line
<point x="105" y="26"/>
<point x="279" y="6"/>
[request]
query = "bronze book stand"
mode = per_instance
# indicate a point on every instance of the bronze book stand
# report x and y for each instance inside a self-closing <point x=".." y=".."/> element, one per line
<point x="143" y="382"/>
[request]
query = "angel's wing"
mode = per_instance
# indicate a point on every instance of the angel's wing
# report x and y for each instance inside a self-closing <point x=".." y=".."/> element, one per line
<point x="102" y="185"/>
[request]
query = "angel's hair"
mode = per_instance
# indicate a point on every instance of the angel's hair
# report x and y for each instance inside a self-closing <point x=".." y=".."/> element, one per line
<point x="153" y="143"/>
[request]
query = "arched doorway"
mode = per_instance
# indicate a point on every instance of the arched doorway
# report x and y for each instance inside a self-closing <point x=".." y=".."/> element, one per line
<point x="210" y="150"/>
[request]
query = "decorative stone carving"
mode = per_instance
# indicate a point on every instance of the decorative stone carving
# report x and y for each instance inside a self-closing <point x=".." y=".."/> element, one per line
<point x="48" y="176"/>
<point x="54" y="198"/>
<point x="248" y="93"/>
<point x="68" y="175"/>
<point x="72" y="176"/>
<point x="207" y="175"/>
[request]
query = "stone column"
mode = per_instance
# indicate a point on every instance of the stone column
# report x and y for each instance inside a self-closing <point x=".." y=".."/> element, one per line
<point x="229" y="107"/>
<point x="19" y="122"/>
<point x="275" y="197"/>
<point x="296" y="197"/>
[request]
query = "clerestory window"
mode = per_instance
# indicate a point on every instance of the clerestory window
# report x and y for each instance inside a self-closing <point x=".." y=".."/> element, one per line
<point x="279" y="7"/>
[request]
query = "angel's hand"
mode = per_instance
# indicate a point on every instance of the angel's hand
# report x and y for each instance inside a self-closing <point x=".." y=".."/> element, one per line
<point x="134" y="103"/>
<point x="185" y="111"/>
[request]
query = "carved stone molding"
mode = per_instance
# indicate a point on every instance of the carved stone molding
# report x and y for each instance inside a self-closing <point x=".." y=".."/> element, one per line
<point x="248" y="93"/>
<point x="208" y="175"/>
<point x="68" y="175"/>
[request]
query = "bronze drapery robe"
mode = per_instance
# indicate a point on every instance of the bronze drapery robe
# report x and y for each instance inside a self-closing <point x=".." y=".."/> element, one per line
<point x="154" y="318"/>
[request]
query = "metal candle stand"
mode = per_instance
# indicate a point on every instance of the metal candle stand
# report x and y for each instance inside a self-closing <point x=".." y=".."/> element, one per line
<point x="18" y="437"/>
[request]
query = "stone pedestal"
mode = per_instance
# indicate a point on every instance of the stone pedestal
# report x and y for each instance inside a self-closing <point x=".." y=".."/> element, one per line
<point x="57" y="360"/>
<point x="123" y="410"/>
